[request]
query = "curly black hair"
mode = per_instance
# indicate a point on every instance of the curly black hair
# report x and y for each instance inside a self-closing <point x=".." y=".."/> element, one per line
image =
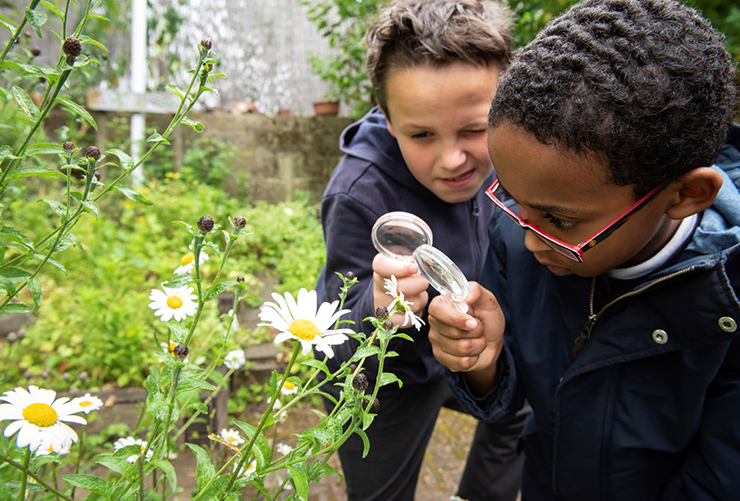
<point x="645" y="85"/>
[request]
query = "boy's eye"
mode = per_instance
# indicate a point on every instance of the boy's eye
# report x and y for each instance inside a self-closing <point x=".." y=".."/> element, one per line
<point x="561" y="224"/>
<point x="420" y="135"/>
<point x="474" y="132"/>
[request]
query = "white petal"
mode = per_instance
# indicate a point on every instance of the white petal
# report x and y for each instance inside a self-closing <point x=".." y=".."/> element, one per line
<point x="8" y="411"/>
<point x="284" y="336"/>
<point x="41" y="395"/>
<point x="13" y="427"/>
<point x="72" y="418"/>
<point x="158" y="295"/>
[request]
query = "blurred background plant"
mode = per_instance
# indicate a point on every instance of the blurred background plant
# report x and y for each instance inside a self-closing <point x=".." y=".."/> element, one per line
<point x="344" y="22"/>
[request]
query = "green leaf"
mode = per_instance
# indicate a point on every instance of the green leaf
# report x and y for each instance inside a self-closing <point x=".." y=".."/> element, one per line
<point x="91" y="483"/>
<point x="44" y="149"/>
<point x="14" y="308"/>
<point x="34" y="286"/>
<point x="126" y="161"/>
<point x="157" y="138"/>
<point x="97" y="16"/>
<point x="193" y="379"/>
<point x="92" y="206"/>
<point x="53" y="9"/>
<point x="318" y="364"/>
<point x="133" y="195"/>
<point x="77" y="110"/>
<point x="365" y="442"/>
<point x="178" y="331"/>
<point x="364" y="352"/>
<point x="10" y="233"/>
<point x="261" y="449"/>
<point x="36" y="18"/>
<point x="34" y="170"/>
<point x="218" y="289"/>
<point x="4" y="22"/>
<point x="176" y="90"/>
<point x="179" y="281"/>
<point x="118" y="461"/>
<point x="217" y="488"/>
<point x="169" y="472"/>
<point x="85" y="39"/>
<point x="57" y="207"/>
<point x="50" y="260"/>
<point x="197" y="126"/>
<point x="300" y="480"/>
<point x="6" y="152"/>
<point x="388" y="378"/>
<point x="367" y="420"/>
<point x="204" y="470"/>
<point x="15" y="275"/>
<point x="26" y="104"/>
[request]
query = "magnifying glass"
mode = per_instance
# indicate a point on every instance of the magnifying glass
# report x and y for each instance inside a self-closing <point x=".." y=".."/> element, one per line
<point x="443" y="274"/>
<point x="399" y="234"/>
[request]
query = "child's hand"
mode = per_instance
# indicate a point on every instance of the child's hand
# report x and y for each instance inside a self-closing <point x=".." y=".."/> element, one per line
<point x="413" y="285"/>
<point x="469" y="342"/>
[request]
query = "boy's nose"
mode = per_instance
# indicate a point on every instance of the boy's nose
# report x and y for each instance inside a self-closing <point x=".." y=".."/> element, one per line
<point x="534" y="244"/>
<point x="452" y="157"/>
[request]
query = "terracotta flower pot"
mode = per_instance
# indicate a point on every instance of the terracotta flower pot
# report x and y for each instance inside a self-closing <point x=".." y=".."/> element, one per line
<point x="326" y="108"/>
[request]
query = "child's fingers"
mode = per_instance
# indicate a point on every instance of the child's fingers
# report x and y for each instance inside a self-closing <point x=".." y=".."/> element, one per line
<point x="385" y="266"/>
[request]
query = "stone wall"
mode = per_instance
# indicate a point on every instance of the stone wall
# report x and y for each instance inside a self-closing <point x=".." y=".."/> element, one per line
<point x="276" y="155"/>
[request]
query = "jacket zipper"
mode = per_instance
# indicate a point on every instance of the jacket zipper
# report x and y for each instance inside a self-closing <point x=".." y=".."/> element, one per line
<point x="475" y="212"/>
<point x="587" y="329"/>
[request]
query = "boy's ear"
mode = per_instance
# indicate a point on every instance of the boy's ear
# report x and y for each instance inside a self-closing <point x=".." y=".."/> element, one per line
<point x="694" y="192"/>
<point x="388" y="122"/>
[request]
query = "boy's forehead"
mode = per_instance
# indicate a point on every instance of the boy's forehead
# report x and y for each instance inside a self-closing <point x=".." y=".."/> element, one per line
<point x="542" y="175"/>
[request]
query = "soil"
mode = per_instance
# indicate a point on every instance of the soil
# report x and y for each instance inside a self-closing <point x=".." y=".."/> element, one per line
<point x="440" y="472"/>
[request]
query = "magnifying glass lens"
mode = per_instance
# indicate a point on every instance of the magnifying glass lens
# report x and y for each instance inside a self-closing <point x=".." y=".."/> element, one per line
<point x="398" y="234"/>
<point x="443" y="274"/>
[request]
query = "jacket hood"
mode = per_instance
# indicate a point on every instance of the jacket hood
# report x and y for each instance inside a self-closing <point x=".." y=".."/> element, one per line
<point x="719" y="231"/>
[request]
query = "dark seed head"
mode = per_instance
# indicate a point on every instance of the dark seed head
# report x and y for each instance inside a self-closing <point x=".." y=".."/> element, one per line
<point x="82" y="376"/>
<point x="68" y="145"/>
<point x="21" y="333"/>
<point x="350" y="275"/>
<point x="71" y="48"/>
<point x="388" y="325"/>
<point x="360" y="382"/>
<point x="376" y="406"/>
<point x="28" y="374"/>
<point x="205" y="224"/>
<point x="97" y="176"/>
<point x="92" y="152"/>
<point x="12" y="337"/>
<point x="206" y="43"/>
<point x="36" y="51"/>
<point x="240" y="279"/>
<point x="181" y="351"/>
<point x="381" y="312"/>
<point x="240" y="222"/>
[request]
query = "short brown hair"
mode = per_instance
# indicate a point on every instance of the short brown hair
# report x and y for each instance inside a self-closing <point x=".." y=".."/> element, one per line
<point x="413" y="33"/>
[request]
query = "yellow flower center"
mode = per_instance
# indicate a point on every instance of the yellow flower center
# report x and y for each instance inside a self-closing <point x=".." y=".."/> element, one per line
<point x="85" y="403"/>
<point x="172" y="348"/>
<point x="232" y="439"/>
<point x="289" y="386"/>
<point x="174" y="302"/>
<point x="304" y="329"/>
<point x="42" y="415"/>
<point x="187" y="258"/>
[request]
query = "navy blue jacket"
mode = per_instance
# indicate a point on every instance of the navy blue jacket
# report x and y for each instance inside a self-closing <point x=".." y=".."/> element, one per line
<point x="650" y="409"/>
<point x="371" y="180"/>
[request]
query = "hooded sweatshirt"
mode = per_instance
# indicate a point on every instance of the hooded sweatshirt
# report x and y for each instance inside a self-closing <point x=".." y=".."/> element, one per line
<point x="369" y="181"/>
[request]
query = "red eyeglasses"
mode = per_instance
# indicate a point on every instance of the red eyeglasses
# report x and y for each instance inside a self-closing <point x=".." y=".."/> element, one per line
<point x="575" y="252"/>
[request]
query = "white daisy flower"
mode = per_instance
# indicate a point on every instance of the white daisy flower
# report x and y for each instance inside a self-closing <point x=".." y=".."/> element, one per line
<point x="48" y="448"/>
<point x="282" y="416"/>
<point x="249" y="470"/>
<point x="187" y="263"/>
<point x="179" y="303"/>
<point x="38" y="419"/>
<point x="232" y="437"/>
<point x="124" y="442"/>
<point x="288" y="388"/>
<point x="235" y="359"/>
<point x="283" y="449"/>
<point x="301" y="320"/>
<point x="401" y="305"/>
<point x="88" y="403"/>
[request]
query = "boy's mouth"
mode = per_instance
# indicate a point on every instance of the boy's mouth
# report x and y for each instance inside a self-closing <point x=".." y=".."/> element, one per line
<point x="555" y="270"/>
<point x="461" y="180"/>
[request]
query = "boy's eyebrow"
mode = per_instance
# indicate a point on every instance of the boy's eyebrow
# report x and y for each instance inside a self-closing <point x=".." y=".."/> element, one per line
<point x="559" y="209"/>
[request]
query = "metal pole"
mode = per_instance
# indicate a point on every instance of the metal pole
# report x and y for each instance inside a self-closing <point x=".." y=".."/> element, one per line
<point x="138" y="81"/>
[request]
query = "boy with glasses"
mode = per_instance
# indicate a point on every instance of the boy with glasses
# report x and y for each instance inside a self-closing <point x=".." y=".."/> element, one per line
<point x="619" y="302"/>
<point x="434" y="65"/>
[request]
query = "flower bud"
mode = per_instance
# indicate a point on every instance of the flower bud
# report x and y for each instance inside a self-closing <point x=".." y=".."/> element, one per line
<point x="71" y="48"/>
<point x="36" y="51"/>
<point x="82" y="376"/>
<point x="381" y="312"/>
<point x="206" y="43"/>
<point x="66" y="377"/>
<point x="360" y="382"/>
<point x="92" y="152"/>
<point x="240" y="222"/>
<point x="376" y="406"/>
<point x="68" y="145"/>
<point x="349" y="275"/>
<point x="388" y="325"/>
<point x="28" y="374"/>
<point x="205" y="224"/>
<point x="181" y="351"/>
<point x="97" y="176"/>
<point x="21" y="333"/>
<point x="240" y="279"/>
<point x="12" y="337"/>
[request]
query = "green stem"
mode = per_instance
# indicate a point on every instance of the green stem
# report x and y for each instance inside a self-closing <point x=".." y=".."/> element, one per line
<point x="197" y="413"/>
<point x="18" y="31"/>
<point x="140" y="464"/>
<point x="26" y="460"/>
<point x="79" y="457"/>
<point x="248" y="448"/>
<point x="38" y="480"/>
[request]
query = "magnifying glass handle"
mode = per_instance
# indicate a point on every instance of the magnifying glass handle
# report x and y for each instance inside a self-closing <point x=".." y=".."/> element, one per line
<point x="460" y="306"/>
